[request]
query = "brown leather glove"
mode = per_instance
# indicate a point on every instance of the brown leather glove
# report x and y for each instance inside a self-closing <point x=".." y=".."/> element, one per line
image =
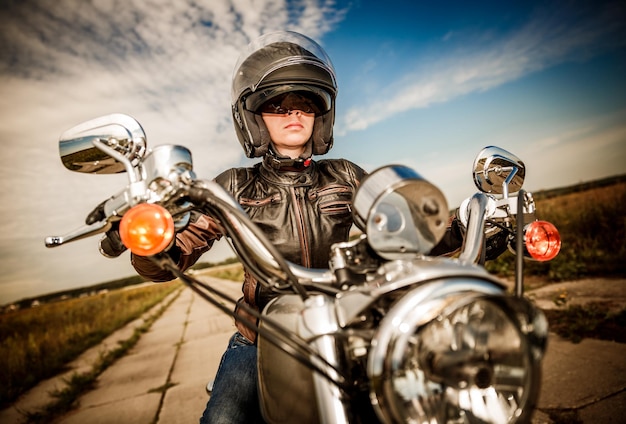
<point x="111" y="244"/>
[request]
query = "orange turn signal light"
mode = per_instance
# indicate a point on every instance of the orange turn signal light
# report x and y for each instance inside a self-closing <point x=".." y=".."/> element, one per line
<point x="542" y="240"/>
<point x="147" y="229"/>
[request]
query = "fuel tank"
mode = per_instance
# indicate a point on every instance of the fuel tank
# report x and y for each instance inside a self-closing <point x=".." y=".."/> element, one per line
<point x="286" y="387"/>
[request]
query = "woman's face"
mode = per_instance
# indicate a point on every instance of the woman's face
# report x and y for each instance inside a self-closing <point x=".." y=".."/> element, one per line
<point x="290" y="121"/>
<point x="289" y="133"/>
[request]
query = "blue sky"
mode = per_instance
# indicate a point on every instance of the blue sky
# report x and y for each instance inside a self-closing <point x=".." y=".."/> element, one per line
<point x="420" y="84"/>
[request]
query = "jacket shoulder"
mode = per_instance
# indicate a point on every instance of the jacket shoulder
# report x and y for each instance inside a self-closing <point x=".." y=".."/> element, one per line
<point x="231" y="178"/>
<point x="354" y="171"/>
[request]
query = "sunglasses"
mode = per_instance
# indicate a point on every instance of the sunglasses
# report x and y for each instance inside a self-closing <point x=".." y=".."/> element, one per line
<point x="289" y="102"/>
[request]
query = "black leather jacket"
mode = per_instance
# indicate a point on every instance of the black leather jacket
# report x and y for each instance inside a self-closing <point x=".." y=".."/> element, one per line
<point x="302" y="212"/>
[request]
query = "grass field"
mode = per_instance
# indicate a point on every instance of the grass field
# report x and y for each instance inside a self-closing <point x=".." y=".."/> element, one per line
<point x="592" y="224"/>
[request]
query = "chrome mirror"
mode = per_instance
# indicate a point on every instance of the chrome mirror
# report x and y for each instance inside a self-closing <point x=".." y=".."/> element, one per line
<point x="104" y="145"/>
<point x="498" y="171"/>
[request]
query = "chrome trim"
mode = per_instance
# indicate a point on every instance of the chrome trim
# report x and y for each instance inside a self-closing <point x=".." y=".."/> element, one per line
<point x="474" y="235"/>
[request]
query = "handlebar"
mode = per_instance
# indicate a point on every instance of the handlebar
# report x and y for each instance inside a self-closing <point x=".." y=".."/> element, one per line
<point x="165" y="176"/>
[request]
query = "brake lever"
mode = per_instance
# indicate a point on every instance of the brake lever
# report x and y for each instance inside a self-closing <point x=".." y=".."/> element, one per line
<point x="99" y="220"/>
<point x="79" y="233"/>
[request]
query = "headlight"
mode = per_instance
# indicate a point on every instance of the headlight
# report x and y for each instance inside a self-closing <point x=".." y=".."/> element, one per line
<point x="462" y="355"/>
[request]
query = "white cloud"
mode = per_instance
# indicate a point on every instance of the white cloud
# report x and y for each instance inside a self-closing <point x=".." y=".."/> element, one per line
<point x="168" y="64"/>
<point x="480" y="64"/>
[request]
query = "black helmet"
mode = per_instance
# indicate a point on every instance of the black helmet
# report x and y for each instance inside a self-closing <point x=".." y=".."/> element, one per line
<point x="278" y="63"/>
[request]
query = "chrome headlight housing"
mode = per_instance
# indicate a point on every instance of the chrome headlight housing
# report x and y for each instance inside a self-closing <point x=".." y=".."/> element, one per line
<point x="457" y="351"/>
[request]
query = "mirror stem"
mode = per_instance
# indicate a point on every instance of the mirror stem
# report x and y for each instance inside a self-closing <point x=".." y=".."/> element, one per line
<point x="132" y="175"/>
<point x="505" y="183"/>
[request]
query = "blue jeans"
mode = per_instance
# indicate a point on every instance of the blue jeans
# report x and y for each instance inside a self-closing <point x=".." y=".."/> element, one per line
<point x="234" y="398"/>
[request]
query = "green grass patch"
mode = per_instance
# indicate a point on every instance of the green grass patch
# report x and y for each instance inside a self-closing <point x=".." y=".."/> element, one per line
<point x="564" y="416"/>
<point x="593" y="320"/>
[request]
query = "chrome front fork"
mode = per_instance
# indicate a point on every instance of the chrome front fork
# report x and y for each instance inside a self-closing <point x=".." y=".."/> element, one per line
<point x="318" y="323"/>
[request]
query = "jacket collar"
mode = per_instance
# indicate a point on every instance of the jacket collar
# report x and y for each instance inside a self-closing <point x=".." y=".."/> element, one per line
<point x="285" y="163"/>
<point x="296" y="172"/>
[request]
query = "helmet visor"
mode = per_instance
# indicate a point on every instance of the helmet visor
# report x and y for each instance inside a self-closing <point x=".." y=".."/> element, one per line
<point x="281" y="99"/>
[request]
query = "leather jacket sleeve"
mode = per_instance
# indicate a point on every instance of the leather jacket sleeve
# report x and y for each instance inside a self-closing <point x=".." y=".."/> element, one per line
<point x="191" y="243"/>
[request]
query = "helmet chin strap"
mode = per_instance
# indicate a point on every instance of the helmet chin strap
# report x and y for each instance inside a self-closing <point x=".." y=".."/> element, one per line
<point x="288" y="164"/>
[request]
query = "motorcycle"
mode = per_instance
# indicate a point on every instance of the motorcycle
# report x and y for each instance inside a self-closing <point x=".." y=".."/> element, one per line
<point x="386" y="333"/>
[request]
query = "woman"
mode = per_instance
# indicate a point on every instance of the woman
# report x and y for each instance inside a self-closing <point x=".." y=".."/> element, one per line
<point x="283" y="105"/>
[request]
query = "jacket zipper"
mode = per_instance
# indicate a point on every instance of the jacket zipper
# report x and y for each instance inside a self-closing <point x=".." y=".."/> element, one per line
<point x="336" y="207"/>
<point x="304" y="242"/>
<point x="244" y="201"/>
<point x="330" y="189"/>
